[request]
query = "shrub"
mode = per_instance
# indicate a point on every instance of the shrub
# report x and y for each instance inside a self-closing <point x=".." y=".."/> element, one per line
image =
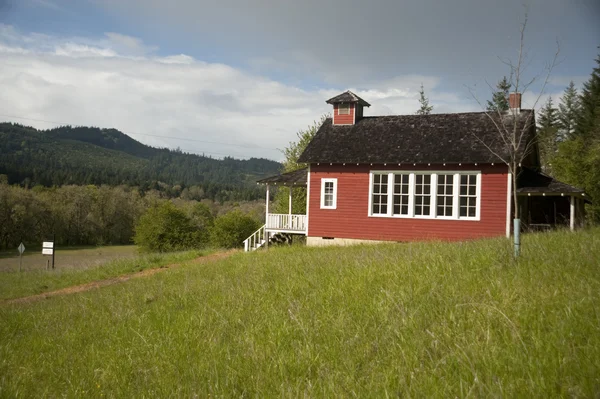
<point x="165" y="228"/>
<point x="231" y="229"/>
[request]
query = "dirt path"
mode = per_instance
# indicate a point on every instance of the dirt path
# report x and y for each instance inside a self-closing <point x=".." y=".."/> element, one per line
<point x="119" y="279"/>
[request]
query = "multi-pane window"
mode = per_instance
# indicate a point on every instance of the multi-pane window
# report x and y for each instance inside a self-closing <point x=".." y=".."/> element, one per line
<point x="445" y="195"/>
<point x="422" y="194"/>
<point x="344" y="109"/>
<point x="401" y="194"/>
<point x="328" y="193"/>
<point x="380" y="194"/>
<point x="448" y="195"/>
<point x="468" y="195"/>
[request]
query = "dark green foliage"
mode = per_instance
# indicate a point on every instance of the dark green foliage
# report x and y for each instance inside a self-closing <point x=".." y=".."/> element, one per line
<point x="547" y="133"/>
<point x="165" y="228"/>
<point x="425" y="108"/>
<point x="231" y="229"/>
<point x="84" y="155"/>
<point x="578" y="158"/>
<point x="569" y="110"/>
<point x="499" y="102"/>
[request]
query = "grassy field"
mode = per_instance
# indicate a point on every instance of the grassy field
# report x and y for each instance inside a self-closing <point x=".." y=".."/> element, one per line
<point x="418" y="320"/>
<point x="78" y="266"/>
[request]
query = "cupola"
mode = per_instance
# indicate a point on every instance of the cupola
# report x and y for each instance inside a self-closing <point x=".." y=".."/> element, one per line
<point x="347" y="108"/>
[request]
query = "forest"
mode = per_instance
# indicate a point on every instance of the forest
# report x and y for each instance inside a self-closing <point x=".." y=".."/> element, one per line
<point x="87" y="155"/>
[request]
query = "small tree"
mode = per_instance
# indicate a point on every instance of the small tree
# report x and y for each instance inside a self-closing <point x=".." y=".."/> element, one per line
<point x="499" y="101"/>
<point x="292" y="152"/>
<point x="425" y="108"/>
<point x="231" y="229"/>
<point x="513" y="128"/>
<point x="165" y="228"/>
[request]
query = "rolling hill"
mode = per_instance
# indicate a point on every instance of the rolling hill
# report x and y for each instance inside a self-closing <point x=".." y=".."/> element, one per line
<point x="90" y="155"/>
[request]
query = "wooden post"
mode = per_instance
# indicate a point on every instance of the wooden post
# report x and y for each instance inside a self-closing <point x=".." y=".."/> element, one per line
<point x="290" y="206"/>
<point x="53" y="249"/>
<point x="572" y="219"/>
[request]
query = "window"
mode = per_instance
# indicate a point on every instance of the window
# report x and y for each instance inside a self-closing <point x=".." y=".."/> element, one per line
<point x="468" y="196"/>
<point x="380" y="194"/>
<point x="401" y="194"/>
<point x="425" y="195"/>
<point x="445" y="195"/>
<point x="344" y="109"/>
<point x="422" y="194"/>
<point x="328" y="193"/>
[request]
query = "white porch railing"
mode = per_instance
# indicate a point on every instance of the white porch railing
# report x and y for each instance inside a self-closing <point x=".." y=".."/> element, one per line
<point x="256" y="240"/>
<point x="286" y="222"/>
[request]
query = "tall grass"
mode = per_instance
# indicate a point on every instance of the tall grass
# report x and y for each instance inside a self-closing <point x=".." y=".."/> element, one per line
<point x="413" y="320"/>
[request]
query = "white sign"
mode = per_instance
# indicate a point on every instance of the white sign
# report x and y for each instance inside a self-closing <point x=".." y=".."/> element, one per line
<point x="21" y="248"/>
<point x="48" y="244"/>
<point x="47" y="251"/>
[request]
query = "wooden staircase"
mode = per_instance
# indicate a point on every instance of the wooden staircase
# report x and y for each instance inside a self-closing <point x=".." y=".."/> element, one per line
<point x="256" y="240"/>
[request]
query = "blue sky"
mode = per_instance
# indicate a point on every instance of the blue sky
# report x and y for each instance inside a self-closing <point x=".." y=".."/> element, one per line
<point x="242" y="77"/>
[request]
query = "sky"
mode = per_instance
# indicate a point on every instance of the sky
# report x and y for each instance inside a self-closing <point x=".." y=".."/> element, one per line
<point x="241" y="77"/>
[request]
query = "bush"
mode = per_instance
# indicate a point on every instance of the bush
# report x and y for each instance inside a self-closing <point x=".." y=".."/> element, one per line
<point x="165" y="228"/>
<point x="231" y="229"/>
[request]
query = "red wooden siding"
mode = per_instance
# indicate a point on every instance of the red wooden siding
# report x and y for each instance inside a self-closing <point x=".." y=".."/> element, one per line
<point x="343" y="119"/>
<point x="350" y="219"/>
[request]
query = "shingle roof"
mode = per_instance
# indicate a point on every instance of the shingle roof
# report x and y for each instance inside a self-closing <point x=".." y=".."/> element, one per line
<point x="530" y="181"/>
<point x="295" y="178"/>
<point x="436" y="138"/>
<point x="347" y="97"/>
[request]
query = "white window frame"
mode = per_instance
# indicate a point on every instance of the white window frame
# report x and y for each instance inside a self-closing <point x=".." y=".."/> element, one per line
<point x="433" y="193"/>
<point x="334" y="202"/>
<point x="346" y="107"/>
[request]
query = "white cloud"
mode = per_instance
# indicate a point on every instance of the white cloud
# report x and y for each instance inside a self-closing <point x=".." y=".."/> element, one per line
<point x="117" y="81"/>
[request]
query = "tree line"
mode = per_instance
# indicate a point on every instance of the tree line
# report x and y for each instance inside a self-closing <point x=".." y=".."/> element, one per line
<point x="92" y="215"/>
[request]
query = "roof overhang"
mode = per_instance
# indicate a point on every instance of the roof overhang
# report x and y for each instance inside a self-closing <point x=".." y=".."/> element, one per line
<point x="296" y="178"/>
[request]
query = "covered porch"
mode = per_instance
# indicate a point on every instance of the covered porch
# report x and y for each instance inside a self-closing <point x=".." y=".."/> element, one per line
<point x="546" y="203"/>
<point x="285" y="222"/>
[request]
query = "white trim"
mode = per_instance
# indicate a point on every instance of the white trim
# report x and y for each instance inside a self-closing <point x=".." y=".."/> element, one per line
<point x="307" y="197"/>
<point x="508" y="204"/>
<point x="267" y="205"/>
<point x="354" y="114"/>
<point x="323" y="182"/>
<point x="432" y="194"/>
<point x="572" y="212"/>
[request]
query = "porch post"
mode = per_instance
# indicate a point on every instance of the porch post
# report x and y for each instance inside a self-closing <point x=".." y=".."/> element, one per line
<point x="290" y="206"/>
<point x="572" y="219"/>
<point x="267" y="206"/>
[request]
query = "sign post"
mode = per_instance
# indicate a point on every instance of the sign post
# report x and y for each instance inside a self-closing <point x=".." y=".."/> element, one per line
<point x="21" y="249"/>
<point x="48" y="249"/>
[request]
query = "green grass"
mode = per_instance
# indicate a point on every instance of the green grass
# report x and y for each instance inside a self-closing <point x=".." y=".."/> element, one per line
<point x="16" y="284"/>
<point x="418" y="320"/>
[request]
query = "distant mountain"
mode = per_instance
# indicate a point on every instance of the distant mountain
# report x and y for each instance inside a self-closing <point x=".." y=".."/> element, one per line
<point x="89" y="155"/>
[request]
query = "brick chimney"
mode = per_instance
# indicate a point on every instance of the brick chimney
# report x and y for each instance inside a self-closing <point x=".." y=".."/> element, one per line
<point x="347" y="108"/>
<point x="514" y="102"/>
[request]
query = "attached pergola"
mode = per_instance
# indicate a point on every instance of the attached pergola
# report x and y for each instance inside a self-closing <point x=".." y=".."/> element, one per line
<point x="281" y="222"/>
<point x="549" y="200"/>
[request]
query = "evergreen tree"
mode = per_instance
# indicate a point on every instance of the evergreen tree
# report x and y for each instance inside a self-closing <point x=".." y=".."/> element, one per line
<point x="499" y="101"/>
<point x="547" y="133"/>
<point x="590" y="104"/>
<point x="568" y="112"/>
<point x="425" y="108"/>
<point x="578" y="158"/>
